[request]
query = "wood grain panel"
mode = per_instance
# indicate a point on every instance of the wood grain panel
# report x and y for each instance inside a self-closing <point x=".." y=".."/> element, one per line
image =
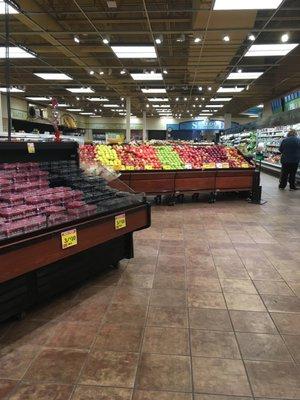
<point x="47" y="249"/>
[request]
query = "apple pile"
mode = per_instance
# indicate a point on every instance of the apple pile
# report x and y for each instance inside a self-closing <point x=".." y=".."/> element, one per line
<point x="169" y="158"/>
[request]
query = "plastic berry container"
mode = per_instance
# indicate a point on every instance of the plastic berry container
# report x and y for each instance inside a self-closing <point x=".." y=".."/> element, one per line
<point x="75" y="204"/>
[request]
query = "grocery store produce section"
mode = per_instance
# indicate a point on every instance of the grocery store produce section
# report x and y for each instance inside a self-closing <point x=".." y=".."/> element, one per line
<point x="174" y="168"/>
<point x="139" y="157"/>
<point x="58" y="225"/>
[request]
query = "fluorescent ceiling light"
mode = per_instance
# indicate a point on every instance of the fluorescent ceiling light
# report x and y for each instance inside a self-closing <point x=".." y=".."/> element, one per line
<point x="74" y="109"/>
<point x="205" y="115"/>
<point x="220" y="99"/>
<point x="134" y="51"/>
<point x="244" y="75"/>
<point x="95" y="116"/>
<point x="11" y="10"/>
<point x="111" y="105"/>
<point x="97" y="99"/>
<point x="147" y="77"/>
<point x="12" y="90"/>
<point x="161" y="105"/>
<point x="61" y="105"/>
<point x="16" y="52"/>
<point x="158" y="99"/>
<point x="81" y="90"/>
<point x="230" y="89"/>
<point x="264" y="50"/>
<point x="53" y="76"/>
<point x="215" y="106"/>
<point x="246" y="5"/>
<point x="158" y="90"/>
<point x="87" y="113"/>
<point x="38" y="98"/>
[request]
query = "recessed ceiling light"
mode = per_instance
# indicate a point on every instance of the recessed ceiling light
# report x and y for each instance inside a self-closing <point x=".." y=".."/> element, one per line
<point x="16" y="52"/>
<point x="97" y="99"/>
<point x="285" y="37"/>
<point x="246" y="5"/>
<point x="265" y="50"/>
<point x="251" y="37"/>
<point x="177" y="99"/>
<point x="214" y="105"/>
<point x="226" y="38"/>
<point x="200" y="88"/>
<point x="53" y="76"/>
<point x="202" y="98"/>
<point x="123" y="71"/>
<point x="244" y="75"/>
<point x="77" y="98"/>
<point x="154" y="90"/>
<point x="81" y="90"/>
<point x="260" y="106"/>
<point x="74" y="109"/>
<point x="11" y="90"/>
<point x="230" y="89"/>
<point x="111" y="105"/>
<point x="181" y="38"/>
<point x="11" y="10"/>
<point x="91" y="72"/>
<point x="209" y="88"/>
<point x="134" y="51"/>
<point x="76" y="39"/>
<point x="147" y="77"/>
<point x="38" y="98"/>
<point x="165" y="72"/>
<point x="185" y="99"/>
<point x="105" y="40"/>
<point x="159" y="39"/>
<point x="158" y="99"/>
<point x="220" y="99"/>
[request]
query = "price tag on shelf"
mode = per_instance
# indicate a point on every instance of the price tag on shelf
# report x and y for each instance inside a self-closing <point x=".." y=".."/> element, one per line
<point x="120" y="221"/>
<point x="148" y="167"/>
<point x="245" y="165"/>
<point x="31" y="148"/>
<point x="188" y="166"/>
<point x="209" y="165"/>
<point x="225" y="165"/>
<point x="219" y="165"/>
<point x="69" y="238"/>
<point x="129" y="167"/>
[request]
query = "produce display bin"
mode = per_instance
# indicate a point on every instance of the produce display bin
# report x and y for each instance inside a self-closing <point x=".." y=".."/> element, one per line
<point x="58" y="250"/>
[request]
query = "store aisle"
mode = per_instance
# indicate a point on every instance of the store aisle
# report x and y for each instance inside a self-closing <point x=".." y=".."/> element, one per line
<point x="210" y="305"/>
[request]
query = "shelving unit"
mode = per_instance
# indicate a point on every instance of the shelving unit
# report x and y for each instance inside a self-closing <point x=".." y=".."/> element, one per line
<point x="36" y="265"/>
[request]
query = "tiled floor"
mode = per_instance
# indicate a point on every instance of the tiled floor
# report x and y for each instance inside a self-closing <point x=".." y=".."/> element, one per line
<point x="209" y="309"/>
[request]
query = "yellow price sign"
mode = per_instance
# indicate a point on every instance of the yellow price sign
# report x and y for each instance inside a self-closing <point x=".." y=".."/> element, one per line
<point x="31" y="148"/>
<point x="225" y="165"/>
<point x="69" y="238"/>
<point x="148" y="167"/>
<point x="209" y="165"/>
<point x="120" y="221"/>
<point x="245" y="165"/>
<point x="129" y="167"/>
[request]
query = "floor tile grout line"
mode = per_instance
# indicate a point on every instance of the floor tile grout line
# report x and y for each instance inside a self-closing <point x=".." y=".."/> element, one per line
<point x="138" y="366"/>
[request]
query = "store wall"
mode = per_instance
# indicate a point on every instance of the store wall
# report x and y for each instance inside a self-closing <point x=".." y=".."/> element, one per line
<point x="19" y="110"/>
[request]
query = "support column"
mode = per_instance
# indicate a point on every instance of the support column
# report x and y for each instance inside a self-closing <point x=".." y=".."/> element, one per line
<point x="128" y="112"/>
<point x="1" y="115"/>
<point x="145" y="136"/>
<point x="227" y="121"/>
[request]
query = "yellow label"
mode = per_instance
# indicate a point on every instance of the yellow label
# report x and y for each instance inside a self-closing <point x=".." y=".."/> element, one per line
<point x="148" y="167"/>
<point x="245" y="165"/>
<point x="69" y="238"/>
<point x="120" y="221"/>
<point x="209" y="165"/>
<point x="31" y="148"/>
<point x="129" y="167"/>
<point x="225" y="165"/>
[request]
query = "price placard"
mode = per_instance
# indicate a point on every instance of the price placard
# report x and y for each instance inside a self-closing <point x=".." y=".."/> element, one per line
<point x="129" y="167"/>
<point x="31" y="148"/>
<point x="149" y="167"/>
<point x="245" y="165"/>
<point x="219" y="165"/>
<point x="120" y="221"/>
<point x="225" y="165"/>
<point x="209" y="165"/>
<point x="69" y="238"/>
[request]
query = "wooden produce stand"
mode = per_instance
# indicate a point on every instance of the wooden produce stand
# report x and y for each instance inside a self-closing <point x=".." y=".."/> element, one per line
<point x="40" y="264"/>
<point x="179" y="182"/>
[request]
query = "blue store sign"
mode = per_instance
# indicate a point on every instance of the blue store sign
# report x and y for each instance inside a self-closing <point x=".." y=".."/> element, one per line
<point x="199" y="125"/>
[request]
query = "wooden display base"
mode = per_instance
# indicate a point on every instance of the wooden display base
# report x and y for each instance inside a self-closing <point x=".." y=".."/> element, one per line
<point x="37" y="267"/>
<point x="188" y="181"/>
